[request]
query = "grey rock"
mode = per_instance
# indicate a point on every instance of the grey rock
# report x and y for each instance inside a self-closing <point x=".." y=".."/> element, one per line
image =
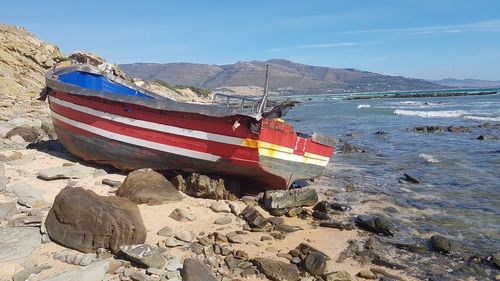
<point x="145" y="186"/>
<point x="444" y="245"/>
<point x="182" y="215"/>
<point x="72" y="221"/>
<point x="8" y="207"/>
<point x="74" y="257"/>
<point x="235" y="209"/>
<point x="315" y="263"/>
<point x="143" y="255"/>
<point x="375" y="223"/>
<point x="26" y="273"/>
<point x="255" y="219"/>
<point x="174" y="264"/>
<point x="202" y="186"/>
<point x="488" y="137"/>
<point x="411" y="178"/>
<point x="285" y="199"/>
<point x="186" y="236"/>
<point x="171" y="242"/>
<point x="338" y="224"/>
<point x="27" y="195"/>
<point x="93" y="272"/>
<point x="3" y="179"/>
<point x="338" y="276"/>
<point x="193" y="270"/>
<point x="278" y="270"/>
<point x="306" y="249"/>
<point x="111" y="183"/>
<point x="138" y="276"/>
<point x="156" y="271"/>
<point x="25" y="220"/>
<point x="223" y="220"/>
<point x="220" y="207"/>
<point x="234" y="237"/>
<point x="348" y="148"/>
<point x="166" y="231"/>
<point x="18" y="242"/>
<point x="65" y="172"/>
<point x="367" y="274"/>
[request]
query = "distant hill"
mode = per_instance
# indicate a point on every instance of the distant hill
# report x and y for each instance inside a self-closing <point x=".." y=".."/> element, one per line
<point x="466" y="83"/>
<point x="286" y="77"/>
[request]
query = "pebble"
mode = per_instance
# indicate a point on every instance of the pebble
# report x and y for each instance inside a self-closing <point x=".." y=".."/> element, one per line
<point x="186" y="236"/>
<point x="220" y="207"/>
<point x="223" y="220"/>
<point x="233" y="237"/>
<point x="166" y="231"/>
<point x="174" y="264"/>
<point x="367" y="274"/>
<point x="156" y="271"/>
<point x="171" y="242"/>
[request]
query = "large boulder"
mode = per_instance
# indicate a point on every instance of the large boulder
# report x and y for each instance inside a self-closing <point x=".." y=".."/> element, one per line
<point x="202" y="186"/>
<point x="146" y="186"/>
<point x="82" y="220"/>
<point x="284" y="199"/>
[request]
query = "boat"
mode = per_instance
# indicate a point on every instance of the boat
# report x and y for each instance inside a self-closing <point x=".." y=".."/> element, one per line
<point x="102" y="118"/>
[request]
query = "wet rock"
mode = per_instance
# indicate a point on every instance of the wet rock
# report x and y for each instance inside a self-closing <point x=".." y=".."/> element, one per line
<point x="323" y="206"/>
<point x="255" y="219"/>
<point x="202" y="186"/>
<point x="18" y="242"/>
<point x="72" y="221"/>
<point x="411" y="178"/>
<point x="186" y="236"/>
<point x="285" y="199"/>
<point x="8" y="207"/>
<point x="28" y="133"/>
<point x="182" y="215"/>
<point x="444" y="245"/>
<point x="338" y="224"/>
<point x="166" y="231"/>
<point x="27" y="195"/>
<point x="65" y="172"/>
<point x="223" y="220"/>
<point x="111" y="183"/>
<point x="93" y="272"/>
<point x="277" y="270"/>
<point x="487" y="137"/>
<point x="220" y="207"/>
<point x="27" y="273"/>
<point x="376" y="224"/>
<point x="348" y="148"/>
<point x="338" y="276"/>
<point x="440" y="129"/>
<point x="366" y="274"/>
<point x="193" y="270"/>
<point x="145" y="186"/>
<point x="315" y="263"/>
<point x="143" y="255"/>
<point x="340" y="207"/>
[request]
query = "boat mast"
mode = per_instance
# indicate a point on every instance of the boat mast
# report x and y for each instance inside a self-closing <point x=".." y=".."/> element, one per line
<point x="262" y="106"/>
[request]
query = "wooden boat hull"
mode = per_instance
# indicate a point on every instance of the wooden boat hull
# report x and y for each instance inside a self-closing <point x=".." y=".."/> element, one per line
<point x="265" y="153"/>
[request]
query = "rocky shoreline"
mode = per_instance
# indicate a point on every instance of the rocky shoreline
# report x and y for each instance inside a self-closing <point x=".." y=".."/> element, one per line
<point x="67" y="219"/>
<point x="423" y="95"/>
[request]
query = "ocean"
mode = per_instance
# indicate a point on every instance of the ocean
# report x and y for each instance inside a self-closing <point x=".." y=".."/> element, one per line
<point x="460" y="191"/>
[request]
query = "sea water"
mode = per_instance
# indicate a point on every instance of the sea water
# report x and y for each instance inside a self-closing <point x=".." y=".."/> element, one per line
<point x="460" y="191"/>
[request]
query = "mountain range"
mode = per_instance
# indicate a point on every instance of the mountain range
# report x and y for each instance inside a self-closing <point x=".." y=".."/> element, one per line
<point x="286" y="77"/>
<point x="466" y="83"/>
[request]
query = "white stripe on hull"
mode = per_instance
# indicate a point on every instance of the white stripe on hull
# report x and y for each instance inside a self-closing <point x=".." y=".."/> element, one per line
<point x="137" y="141"/>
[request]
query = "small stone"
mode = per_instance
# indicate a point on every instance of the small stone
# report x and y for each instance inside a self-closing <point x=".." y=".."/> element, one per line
<point x="296" y="260"/>
<point x="223" y="220"/>
<point x="182" y="215"/>
<point x="166" y="231"/>
<point x="205" y="241"/>
<point x="265" y="238"/>
<point x="220" y="207"/>
<point x="172" y="242"/>
<point x="144" y="255"/>
<point x="111" y="183"/>
<point x="234" y="209"/>
<point x="278" y="270"/>
<point x="444" y="245"/>
<point x="194" y="270"/>
<point x="285" y="255"/>
<point x="293" y="212"/>
<point x="174" y="264"/>
<point x="233" y="237"/>
<point x="315" y="263"/>
<point x="337" y="276"/>
<point x="367" y="274"/>
<point x="186" y="236"/>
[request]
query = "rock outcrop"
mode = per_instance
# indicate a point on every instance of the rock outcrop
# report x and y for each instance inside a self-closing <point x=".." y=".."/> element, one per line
<point x="146" y="186"/>
<point x="24" y="58"/>
<point x="84" y="221"/>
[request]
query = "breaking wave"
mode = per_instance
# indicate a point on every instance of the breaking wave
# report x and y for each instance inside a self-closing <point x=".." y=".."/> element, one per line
<point x="430" y="114"/>
<point x="429" y="158"/>
<point x="422" y="103"/>
<point x="482" y="118"/>
<point x="363" y="106"/>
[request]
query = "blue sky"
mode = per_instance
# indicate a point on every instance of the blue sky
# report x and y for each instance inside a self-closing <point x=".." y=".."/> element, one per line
<point x="420" y="38"/>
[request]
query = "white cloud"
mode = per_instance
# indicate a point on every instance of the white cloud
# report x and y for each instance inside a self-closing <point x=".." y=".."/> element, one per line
<point x="312" y="46"/>
<point x="483" y="26"/>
